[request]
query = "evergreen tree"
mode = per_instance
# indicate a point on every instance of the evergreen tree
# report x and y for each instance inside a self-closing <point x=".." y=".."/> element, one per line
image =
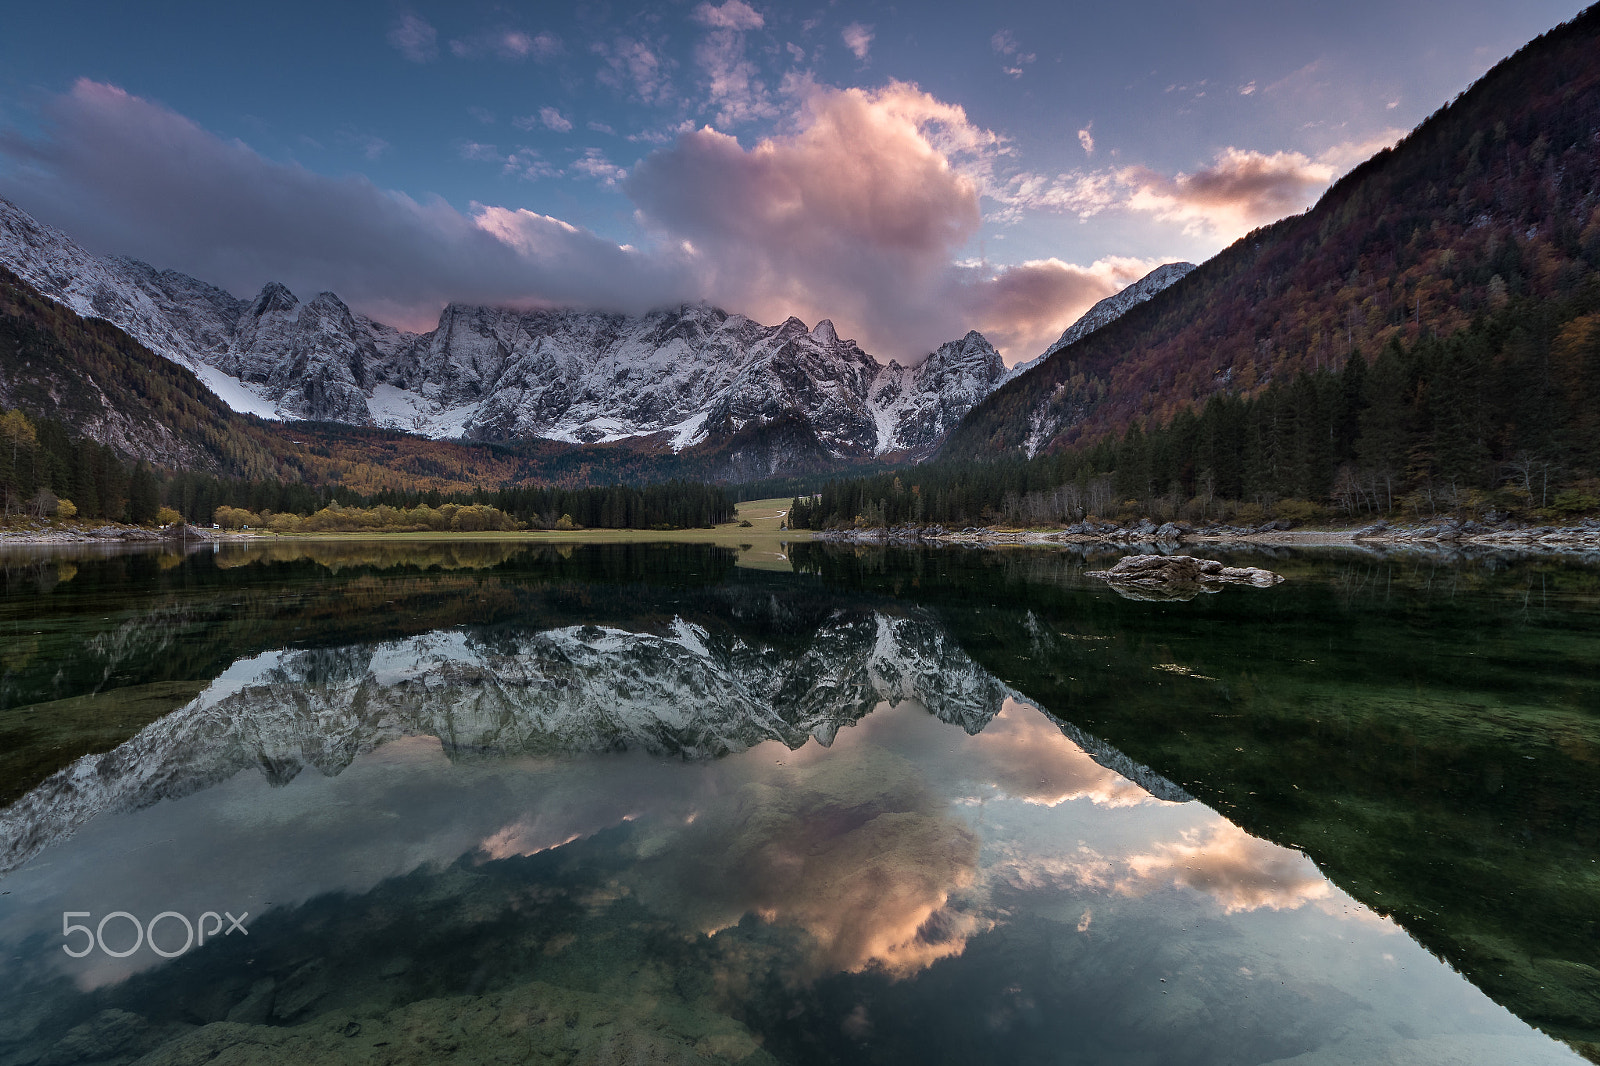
<point x="143" y="497"/>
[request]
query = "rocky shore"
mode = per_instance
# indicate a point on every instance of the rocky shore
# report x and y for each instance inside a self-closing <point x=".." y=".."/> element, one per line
<point x="1582" y="536"/>
<point x="113" y="534"/>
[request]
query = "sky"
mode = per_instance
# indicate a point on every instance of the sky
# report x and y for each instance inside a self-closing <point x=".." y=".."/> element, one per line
<point x="909" y="172"/>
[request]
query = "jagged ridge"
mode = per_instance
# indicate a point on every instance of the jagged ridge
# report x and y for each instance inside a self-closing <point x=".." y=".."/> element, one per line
<point x="686" y="375"/>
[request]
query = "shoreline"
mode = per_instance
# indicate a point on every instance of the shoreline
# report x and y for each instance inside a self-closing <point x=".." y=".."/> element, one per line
<point x="1577" y="538"/>
<point x="111" y="534"/>
<point x="763" y="519"/>
<point x="135" y="537"/>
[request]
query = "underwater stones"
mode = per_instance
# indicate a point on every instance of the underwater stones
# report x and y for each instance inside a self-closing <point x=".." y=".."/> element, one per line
<point x="107" y="1035"/>
<point x="1178" y="577"/>
<point x="534" y="1022"/>
<point x="256" y="1007"/>
<point x="300" y="990"/>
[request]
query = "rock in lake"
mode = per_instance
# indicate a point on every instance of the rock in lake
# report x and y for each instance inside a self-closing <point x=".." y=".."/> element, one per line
<point x="1178" y="577"/>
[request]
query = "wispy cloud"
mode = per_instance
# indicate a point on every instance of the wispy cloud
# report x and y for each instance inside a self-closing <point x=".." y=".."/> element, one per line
<point x="507" y="44"/>
<point x="480" y="152"/>
<point x="1239" y="871"/>
<point x="858" y="39"/>
<point x="1237" y="191"/>
<point x="733" y="15"/>
<point x="1345" y="155"/>
<point x="549" y="118"/>
<point x="1005" y="44"/>
<point x="731" y="78"/>
<point x="370" y="146"/>
<point x="594" y="164"/>
<point x="634" y="67"/>
<point x="414" y="38"/>
<point x="529" y="165"/>
<point x="1086" y="138"/>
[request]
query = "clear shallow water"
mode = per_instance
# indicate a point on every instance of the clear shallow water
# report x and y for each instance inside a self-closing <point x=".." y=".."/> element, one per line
<point x="630" y="804"/>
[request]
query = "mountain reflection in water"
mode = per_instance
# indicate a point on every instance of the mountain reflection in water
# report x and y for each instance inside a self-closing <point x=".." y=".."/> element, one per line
<point x="694" y="822"/>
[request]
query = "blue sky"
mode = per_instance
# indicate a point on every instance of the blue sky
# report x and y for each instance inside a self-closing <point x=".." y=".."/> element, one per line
<point x="910" y="171"/>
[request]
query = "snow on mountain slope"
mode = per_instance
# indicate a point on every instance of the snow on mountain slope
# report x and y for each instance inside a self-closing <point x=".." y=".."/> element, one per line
<point x="1109" y="310"/>
<point x="687" y="373"/>
<point x="959" y="374"/>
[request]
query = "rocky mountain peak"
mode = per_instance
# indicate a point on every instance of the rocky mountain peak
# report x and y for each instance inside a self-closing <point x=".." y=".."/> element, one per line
<point x="1118" y="304"/>
<point x="1109" y="310"/>
<point x="274" y="298"/>
<point x="973" y="350"/>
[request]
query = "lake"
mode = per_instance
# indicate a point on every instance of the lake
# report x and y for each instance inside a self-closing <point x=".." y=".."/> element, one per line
<point x="410" y="802"/>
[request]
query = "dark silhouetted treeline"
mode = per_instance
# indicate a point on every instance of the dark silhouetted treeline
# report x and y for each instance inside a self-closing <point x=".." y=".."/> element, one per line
<point x="43" y="463"/>
<point x="669" y="505"/>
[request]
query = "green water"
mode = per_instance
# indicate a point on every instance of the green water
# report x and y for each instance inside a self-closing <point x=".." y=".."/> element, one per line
<point x="625" y="803"/>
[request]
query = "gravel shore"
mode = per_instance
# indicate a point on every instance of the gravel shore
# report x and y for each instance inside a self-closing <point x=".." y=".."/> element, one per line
<point x="1580" y="537"/>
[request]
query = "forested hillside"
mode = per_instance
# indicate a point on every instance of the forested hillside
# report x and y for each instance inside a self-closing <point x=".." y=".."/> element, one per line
<point x="1495" y="199"/>
<point x="1501" y="417"/>
<point x="93" y="377"/>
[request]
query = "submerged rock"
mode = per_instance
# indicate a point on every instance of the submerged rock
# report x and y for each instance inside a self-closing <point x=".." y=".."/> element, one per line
<point x="1178" y="577"/>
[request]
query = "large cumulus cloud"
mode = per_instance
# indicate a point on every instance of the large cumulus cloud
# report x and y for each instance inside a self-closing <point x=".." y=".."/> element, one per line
<point x="857" y="213"/>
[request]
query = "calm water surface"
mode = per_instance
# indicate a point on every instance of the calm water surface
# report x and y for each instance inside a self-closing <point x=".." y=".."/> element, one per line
<point x="492" y="802"/>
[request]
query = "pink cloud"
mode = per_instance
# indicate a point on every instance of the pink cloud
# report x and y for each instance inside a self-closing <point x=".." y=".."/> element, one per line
<point x="1238" y="191"/>
<point x="733" y="15"/>
<point x="858" y="39"/>
<point x="854" y="216"/>
<point x="1239" y="871"/>
<point x="731" y="78"/>
<point x="1021" y="309"/>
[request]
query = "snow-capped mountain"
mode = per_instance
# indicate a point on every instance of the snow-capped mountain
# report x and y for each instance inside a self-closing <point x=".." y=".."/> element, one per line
<point x="1109" y="310"/>
<point x="690" y="374"/>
